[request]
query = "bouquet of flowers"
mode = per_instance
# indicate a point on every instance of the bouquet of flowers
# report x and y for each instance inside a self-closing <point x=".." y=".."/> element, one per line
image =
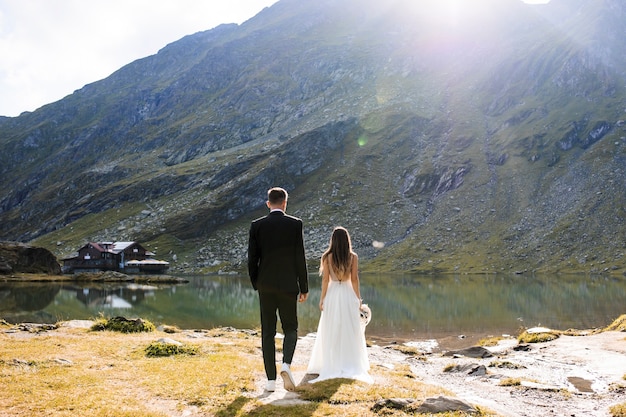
<point x="366" y="315"/>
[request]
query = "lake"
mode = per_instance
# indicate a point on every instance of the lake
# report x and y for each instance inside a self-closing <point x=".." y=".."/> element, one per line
<point x="404" y="307"/>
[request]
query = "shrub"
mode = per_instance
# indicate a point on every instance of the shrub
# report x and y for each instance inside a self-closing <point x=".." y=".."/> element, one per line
<point x="160" y="349"/>
<point x="123" y="325"/>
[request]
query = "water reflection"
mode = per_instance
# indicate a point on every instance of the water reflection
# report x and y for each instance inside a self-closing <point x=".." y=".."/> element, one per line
<point x="403" y="306"/>
<point x="22" y="302"/>
<point x="123" y="297"/>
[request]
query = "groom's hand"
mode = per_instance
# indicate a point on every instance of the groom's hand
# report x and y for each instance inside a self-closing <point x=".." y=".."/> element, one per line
<point x="303" y="297"/>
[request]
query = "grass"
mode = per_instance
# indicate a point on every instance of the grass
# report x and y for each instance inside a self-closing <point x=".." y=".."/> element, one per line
<point x="90" y="373"/>
<point x="123" y="325"/>
<point x="408" y="350"/>
<point x="510" y="382"/>
<point x="68" y="371"/>
<point x="490" y="341"/>
<point x="505" y="364"/>
<point x="618" y="325"/>
<point x="156" y="349"/>
<point x="618" y="410"/>
<point x="526" y="337"/>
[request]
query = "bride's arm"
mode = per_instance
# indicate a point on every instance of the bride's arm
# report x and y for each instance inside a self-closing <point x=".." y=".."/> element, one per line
<point x="325" y="278"/>
<point x="354" y="275"/>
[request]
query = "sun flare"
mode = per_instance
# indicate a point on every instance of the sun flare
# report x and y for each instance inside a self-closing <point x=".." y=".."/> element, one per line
<point x="448" y="13"/>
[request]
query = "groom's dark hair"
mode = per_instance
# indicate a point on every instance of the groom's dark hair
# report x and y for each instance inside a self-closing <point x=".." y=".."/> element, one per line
<point x="276" y="195"/>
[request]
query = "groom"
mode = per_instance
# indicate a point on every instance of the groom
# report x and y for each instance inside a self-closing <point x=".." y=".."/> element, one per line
<point x="277" y="269"/>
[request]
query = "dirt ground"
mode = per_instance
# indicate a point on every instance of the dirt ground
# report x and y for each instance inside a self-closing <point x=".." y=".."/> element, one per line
<point x="573" y="376"/>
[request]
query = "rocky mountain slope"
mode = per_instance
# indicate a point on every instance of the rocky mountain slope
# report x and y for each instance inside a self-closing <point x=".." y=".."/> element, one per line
<point x="447" y="136"/>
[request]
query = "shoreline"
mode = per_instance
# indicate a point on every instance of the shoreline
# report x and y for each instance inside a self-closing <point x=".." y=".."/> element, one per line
<point x="108" y="276"/>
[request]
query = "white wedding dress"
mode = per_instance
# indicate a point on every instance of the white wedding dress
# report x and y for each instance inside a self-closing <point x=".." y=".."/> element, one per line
<point x="339" y="350"/>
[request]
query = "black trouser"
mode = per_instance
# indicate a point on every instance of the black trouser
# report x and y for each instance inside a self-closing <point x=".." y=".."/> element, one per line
<point x="286" y="304"/>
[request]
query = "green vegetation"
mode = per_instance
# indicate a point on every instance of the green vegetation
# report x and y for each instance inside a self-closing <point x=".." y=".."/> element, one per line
<point x="483" y="157"/>
<point x="156" y="349"/>
<point x="122" y="325"/>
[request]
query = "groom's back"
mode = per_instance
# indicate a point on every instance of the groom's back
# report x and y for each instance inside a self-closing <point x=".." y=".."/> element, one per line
<point x="278" y="240"/>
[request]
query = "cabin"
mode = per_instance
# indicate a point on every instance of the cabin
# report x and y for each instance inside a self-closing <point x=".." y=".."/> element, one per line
<point x="126" y="257"/>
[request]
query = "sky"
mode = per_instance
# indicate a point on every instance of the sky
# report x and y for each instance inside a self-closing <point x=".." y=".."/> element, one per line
<point x="50" y="48"/>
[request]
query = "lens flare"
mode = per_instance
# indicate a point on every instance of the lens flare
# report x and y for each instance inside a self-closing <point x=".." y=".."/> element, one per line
<point x="378" y="245"/>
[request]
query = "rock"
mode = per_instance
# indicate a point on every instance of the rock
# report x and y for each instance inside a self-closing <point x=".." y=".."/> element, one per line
<point x="535" y="330"/>
<point x="77" y="324"/>
<point x="443" y="404"/>
<point x="581" y="384"/>
<point x="36" y="327"/>
<point x="522" y="348"/>
<point x="16" y="257"/>
<point x="394" y="403"/>
<point x="168" y="341"/>
<point x="471" y="369"/>
<point x="471" y="352"/>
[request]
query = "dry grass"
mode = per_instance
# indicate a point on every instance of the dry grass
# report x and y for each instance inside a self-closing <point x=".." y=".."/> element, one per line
<point x="618" y="325"/>
<point x="526" y="337"/>
<point x="510" y="382"/>
<point x="505" y="364"/>
<point x="490" y="341"/>
<point x="69" y="372"/>
<point x="408" y="350"/>
<point x="618" y="410"/>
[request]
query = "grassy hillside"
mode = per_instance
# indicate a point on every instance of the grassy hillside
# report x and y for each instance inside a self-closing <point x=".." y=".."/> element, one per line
<point x="488" y="142"/>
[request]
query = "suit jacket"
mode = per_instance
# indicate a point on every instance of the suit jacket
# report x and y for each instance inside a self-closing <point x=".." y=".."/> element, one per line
<point x="276" y="259"/>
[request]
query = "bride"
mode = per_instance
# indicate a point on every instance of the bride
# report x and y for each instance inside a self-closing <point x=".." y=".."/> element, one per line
<point x="339" y="350"/>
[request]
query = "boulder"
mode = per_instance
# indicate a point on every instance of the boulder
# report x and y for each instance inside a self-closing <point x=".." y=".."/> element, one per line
<point x="16" y="257"/>
<point x="443" y="404"/>
<point x="471" y="352"/>
<point x="471" y="369"/>
<point x="392" y="403"/>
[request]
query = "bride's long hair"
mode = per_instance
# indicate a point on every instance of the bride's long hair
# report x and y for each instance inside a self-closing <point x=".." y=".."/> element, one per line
<point x="340" y="252"/>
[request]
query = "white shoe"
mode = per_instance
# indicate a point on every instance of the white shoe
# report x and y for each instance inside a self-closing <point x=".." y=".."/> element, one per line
<point x="270" y="386"/>
<point x="288" y="381"/>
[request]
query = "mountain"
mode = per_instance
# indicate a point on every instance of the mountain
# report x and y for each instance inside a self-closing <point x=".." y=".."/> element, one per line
<point x="447" y="136"/>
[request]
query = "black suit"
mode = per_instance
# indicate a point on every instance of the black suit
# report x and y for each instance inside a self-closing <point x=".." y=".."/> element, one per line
<point x="277" y="269"/>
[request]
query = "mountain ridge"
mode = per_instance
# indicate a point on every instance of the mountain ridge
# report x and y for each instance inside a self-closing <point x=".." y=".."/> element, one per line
<point x="457" y="145"/>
